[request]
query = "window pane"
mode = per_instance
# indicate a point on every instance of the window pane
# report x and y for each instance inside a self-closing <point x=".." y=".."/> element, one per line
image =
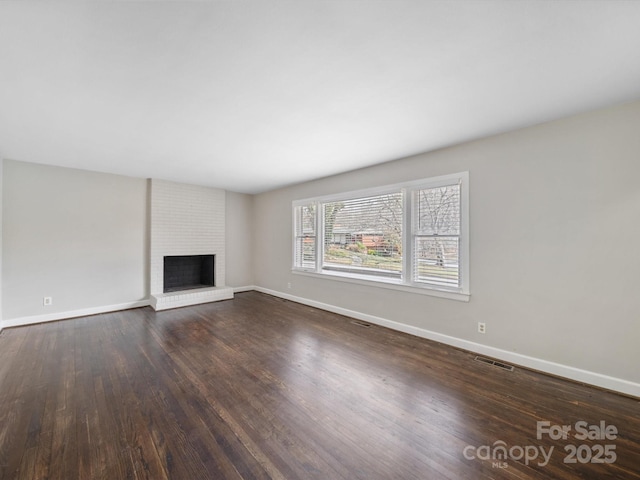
<point x="305" y="241"/>
<point x="306" y="220"/>
<point x="439" y="211"/>
<point x="364" y="235"/>
<point x="305" y="252"/>
<point x="437" y="261"/>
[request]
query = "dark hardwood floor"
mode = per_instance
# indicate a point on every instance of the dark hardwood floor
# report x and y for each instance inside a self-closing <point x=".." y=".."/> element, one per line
<point x="259" y="387"/>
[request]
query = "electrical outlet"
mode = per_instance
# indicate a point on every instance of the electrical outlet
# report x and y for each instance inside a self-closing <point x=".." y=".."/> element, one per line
<point x="46" y="301"/>
<point x="482" y="328"/>
<point x="289" y="285"/>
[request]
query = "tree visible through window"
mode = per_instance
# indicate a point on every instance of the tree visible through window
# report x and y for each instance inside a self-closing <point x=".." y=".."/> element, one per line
<point x="437" y="236"/>
<point x="364" y="236"/>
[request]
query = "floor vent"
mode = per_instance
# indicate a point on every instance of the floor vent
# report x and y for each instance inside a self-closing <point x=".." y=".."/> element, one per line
<point x="361" y="324"/>
<point x="495" y="363"/>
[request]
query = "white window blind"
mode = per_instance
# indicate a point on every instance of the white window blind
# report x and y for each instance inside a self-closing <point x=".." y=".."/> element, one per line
<point x="364" y="235"/>
<point x="436" y="242"/>
<point x="411" y="236"/>
<point x="305" y="248"/>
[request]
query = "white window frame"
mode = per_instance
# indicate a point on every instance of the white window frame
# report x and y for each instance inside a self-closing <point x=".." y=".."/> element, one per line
<point x="296" y="222"/>
<point x="405" y="282"/>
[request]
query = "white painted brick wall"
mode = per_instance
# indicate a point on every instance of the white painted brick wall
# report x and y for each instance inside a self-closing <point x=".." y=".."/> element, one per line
<point x="186" y="220"/>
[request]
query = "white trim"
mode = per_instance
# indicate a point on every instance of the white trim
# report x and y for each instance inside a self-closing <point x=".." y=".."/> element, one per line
<point x="408" y="221"/>
<point x="465" y="253"/>
<point x="430" y="182"/>
<point x="246" y="288"/>
<point x="576" y="374"/>
<point x="294" y="241"/>
<point x="52" y="317"/>
<point x="407" y="281"/>
<point x="385" y="283"/>
<point x="84" y="312"/>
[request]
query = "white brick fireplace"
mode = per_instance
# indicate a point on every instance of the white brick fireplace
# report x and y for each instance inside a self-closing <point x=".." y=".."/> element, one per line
<point x="186" y="220"/>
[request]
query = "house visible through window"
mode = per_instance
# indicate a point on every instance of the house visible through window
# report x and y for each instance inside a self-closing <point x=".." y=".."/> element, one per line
<point x="364" y="235"/>
<point x="410" y="235"/>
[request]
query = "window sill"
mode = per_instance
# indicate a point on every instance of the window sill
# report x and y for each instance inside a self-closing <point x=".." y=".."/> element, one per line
<point x="388" y="283"/>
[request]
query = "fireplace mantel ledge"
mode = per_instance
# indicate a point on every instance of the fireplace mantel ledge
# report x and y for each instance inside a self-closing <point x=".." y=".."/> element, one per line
<point x="183" y="298"/>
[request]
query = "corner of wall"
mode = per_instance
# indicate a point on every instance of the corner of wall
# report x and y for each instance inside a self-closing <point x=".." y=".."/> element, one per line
<point x="253" y="241"/>
<point x="147" y="240"/>
<point x="240" y="238"/>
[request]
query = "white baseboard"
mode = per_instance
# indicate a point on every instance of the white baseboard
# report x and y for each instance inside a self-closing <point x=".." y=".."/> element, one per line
<point x="584" y="376"/>
<point x="51" y="317"/>
<point x="572" y="373"/>
<point x="246" y="288"/>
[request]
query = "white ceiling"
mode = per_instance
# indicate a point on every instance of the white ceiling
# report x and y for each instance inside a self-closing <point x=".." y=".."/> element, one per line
<point x="253" y="95"/>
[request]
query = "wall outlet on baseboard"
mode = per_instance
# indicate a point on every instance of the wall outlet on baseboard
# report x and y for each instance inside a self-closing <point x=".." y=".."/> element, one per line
<point x="46" y="301"/>
<point x="482" y="327"/>
<point x="289" y="285"/>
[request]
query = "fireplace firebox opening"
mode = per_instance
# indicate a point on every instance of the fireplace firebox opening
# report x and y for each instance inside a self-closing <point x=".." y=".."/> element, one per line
<point x="186" y="272"/>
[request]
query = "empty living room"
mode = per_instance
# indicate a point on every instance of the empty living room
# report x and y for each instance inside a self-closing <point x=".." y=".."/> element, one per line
<point x="332" y="240"/>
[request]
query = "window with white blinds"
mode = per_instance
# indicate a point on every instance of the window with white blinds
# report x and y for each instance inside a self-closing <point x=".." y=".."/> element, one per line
<point x="412" y="235"/>
<point x="436" y="236"/>
<point x="305" y="236"/>
<point x="364" y="235"/>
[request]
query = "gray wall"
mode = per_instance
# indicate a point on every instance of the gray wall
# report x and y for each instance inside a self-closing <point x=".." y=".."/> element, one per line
<point x="83" y="238"/>
<point x="239" y="233"/>
<point x="554" y="233"/>
<point x="77" y="236"/>
<point x="1" y="235"/>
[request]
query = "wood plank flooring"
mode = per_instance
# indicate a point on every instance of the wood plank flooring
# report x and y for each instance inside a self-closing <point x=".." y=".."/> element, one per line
<point x="262" y="388"/>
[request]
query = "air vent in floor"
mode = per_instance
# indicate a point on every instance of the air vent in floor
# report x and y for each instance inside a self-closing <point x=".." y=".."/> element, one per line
<point x="361" y="324"/>
<point x="494" y="363"/>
